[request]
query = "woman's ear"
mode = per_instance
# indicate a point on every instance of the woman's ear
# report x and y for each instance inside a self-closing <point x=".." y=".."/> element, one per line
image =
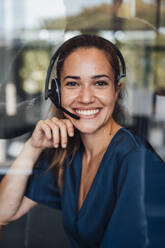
<point x="118" y="88"/>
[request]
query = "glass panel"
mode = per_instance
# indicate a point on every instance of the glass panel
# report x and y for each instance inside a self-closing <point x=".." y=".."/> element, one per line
<point x="30" y="32"/>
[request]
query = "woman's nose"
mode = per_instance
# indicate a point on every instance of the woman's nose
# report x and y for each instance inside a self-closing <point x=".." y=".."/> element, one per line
<point x="86" y="95"/>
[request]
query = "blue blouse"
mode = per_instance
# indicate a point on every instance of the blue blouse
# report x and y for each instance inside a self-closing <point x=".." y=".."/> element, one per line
<point x="113" y="214"/>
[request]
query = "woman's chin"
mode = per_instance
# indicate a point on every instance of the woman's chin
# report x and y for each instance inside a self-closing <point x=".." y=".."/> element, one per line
<point x="90" y="126"/>
<point x="87" y="129"/>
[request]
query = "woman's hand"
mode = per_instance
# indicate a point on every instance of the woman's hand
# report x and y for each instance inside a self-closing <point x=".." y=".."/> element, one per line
<point x="52" y="133"/>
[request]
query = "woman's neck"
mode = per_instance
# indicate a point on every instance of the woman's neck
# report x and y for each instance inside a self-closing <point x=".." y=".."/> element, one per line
<point x="98" y="142"/>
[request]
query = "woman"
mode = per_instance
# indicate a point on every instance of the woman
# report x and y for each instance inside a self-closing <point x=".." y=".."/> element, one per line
<point x="96" y="166"/>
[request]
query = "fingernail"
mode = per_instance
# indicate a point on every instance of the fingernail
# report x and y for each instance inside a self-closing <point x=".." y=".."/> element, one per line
<point x="64" y="145"/>
<point x="56" y="145"/>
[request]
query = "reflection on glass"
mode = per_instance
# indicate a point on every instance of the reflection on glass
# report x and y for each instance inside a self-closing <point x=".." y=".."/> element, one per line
<point x="30" y="31"/>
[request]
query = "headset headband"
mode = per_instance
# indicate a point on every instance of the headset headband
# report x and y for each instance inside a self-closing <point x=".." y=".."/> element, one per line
<point x="48" y="91"/>
<point x="51" y="64"/>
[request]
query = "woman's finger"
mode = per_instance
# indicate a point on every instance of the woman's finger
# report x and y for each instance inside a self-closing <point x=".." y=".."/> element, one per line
<point x="52" y="132"/>
<point x="64" y="135"/>
<point x="43" y="127"/>
<point x="55" y="132"/>
<point x="63" y="131"/>
<point x="70" y="127"/>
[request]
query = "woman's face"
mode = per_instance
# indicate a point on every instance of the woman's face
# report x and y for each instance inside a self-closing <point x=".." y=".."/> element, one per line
<point x="87" y="89"/>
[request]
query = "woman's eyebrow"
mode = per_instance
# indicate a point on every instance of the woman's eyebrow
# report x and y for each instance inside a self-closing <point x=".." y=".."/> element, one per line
<point x="72" y="77"/>
<point x="102" y="75"/>
<point x="93" y="77"/>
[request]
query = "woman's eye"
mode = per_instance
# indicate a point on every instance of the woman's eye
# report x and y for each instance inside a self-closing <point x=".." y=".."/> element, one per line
<point x="71" y="84"/>
<point x="101" y="83"/>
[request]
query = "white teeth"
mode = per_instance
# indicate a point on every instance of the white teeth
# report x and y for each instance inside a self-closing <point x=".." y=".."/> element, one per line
<point x="87" y="112"/>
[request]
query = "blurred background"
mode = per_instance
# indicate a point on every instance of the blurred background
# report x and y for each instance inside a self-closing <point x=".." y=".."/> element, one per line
<point x="30" y="31"/>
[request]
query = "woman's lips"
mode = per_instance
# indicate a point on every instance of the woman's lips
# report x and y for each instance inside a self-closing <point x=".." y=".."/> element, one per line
<point x="87" y="113"/>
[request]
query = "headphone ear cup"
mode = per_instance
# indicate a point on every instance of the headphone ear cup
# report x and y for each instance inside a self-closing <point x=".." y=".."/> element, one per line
<point x="117" y="79"/>
<point x="55" y="92"/>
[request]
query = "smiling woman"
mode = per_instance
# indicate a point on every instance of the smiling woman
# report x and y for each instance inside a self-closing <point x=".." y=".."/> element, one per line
<point x="84" y="161"/>
<point x="87" y="89"/>
<point x="74" y="68"/>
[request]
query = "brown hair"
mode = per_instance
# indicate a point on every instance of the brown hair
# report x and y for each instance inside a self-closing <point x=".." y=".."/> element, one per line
<point x="59" y="155"/>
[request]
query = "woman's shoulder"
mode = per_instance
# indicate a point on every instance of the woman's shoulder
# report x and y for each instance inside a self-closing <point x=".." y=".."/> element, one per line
<point x="128" y="142"/>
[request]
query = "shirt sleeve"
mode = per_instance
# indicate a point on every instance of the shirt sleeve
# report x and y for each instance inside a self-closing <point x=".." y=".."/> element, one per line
<point x="41" y="186"/>
<point x="128" y="224"/>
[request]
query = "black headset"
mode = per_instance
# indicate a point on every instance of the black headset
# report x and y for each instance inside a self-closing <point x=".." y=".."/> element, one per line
<point x="54" y="91"/>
